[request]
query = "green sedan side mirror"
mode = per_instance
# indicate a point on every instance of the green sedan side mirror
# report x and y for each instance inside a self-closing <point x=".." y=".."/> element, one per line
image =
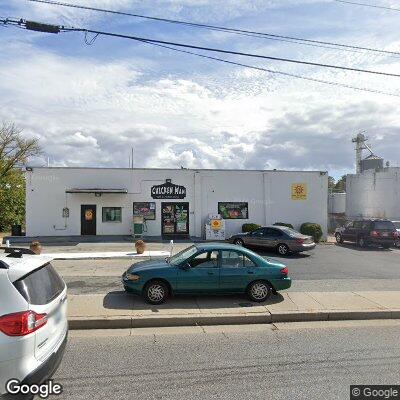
<point x="186" y="266"/>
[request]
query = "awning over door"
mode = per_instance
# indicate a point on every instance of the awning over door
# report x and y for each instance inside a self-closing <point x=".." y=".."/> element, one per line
<point x="97" y="190"/>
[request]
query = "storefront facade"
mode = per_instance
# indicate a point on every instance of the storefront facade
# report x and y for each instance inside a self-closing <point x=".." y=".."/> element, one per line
<point x="174" y="202"/>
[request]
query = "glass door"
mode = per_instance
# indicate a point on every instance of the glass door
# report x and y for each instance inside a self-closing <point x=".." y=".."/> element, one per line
<point x="175" y="218"/>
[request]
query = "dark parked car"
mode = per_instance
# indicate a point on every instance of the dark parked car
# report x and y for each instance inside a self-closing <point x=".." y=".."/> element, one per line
<point x="279" y="238"/>
<point x="379" y="232"/>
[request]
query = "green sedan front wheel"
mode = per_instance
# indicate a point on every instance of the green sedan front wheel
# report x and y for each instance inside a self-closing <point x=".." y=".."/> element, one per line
<point x="156" y="292"/>
<point x="259" y="291"/>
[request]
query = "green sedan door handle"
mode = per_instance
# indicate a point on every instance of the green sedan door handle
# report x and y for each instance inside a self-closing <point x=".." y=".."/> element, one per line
<point x="210" y="273"/>
<point x="250" y="272"/>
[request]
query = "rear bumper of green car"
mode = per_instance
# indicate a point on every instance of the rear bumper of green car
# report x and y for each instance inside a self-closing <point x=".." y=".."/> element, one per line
<point x="281" y="284"/>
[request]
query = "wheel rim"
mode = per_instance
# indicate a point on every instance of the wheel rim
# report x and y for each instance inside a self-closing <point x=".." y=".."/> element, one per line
<point x="338" y="238"/>
<point x="239" y="242"/>
<point x="282" y="249"/>
<point x="156" y="293"/>
<point x="259" y="291"/>
<point x="362" y="242"/>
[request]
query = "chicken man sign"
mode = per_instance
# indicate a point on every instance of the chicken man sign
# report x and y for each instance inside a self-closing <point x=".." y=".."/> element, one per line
<point x="299" y="191"/>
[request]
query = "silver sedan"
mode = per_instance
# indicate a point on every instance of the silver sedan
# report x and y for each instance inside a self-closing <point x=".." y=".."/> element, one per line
<point x="279" y="238"/>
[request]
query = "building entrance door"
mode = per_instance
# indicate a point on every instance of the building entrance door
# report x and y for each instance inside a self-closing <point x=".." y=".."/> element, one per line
<point x="88" y="219"/>
<point x="174" y="219"/>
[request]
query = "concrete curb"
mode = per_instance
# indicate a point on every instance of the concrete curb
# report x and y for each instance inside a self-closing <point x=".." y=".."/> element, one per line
<point x="122" y="322"/>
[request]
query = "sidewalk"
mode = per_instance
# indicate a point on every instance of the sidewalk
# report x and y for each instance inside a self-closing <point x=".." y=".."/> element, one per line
<point x="105" y="255"/>
<point x="120" y="310"/>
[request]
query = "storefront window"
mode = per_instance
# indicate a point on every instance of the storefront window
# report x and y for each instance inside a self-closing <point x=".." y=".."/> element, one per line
<point x="145" y="209"/>
<point x="233" y="210"/>
<point x="112" y="214"/>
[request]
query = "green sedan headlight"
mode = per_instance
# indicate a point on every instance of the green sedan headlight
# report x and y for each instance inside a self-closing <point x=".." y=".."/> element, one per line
<point x="132" y="277"/>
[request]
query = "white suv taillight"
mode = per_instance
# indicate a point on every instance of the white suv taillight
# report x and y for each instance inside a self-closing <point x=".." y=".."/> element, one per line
<point x="22" y="323"/>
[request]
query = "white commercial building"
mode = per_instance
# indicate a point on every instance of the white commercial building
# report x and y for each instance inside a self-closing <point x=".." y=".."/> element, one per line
<point x="102" y="201"/>
<point x="374" y="193"/>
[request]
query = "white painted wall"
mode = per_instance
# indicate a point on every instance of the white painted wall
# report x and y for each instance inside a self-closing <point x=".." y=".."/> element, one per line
<point x="374" y="194"/>
<point x="281" y="208"/>
<point x="267" y="192"/>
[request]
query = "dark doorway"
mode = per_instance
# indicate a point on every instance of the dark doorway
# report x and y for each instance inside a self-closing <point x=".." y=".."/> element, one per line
<point x="175" y="219"/>
<point x="88" y="219"/>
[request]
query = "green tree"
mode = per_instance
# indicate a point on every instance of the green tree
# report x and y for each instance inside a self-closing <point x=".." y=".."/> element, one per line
<point x="14" y="148"/>
<point x="14" y="153"/>
<point x="331" y="183"/>
<point x="340" y="185"/>
<point x="12" y="199"/>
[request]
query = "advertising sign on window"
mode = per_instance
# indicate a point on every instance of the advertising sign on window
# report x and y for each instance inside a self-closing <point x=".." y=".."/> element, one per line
<point x="233" y="210"/>
<point x="145" y="209"/>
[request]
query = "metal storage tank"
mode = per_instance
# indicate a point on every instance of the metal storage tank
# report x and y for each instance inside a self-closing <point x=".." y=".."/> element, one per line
<point x="337" y="203"/>
<point x="371" y="162"/>
<point x="374" y="194"/>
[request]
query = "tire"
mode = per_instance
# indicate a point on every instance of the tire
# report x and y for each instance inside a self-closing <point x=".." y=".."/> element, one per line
<point x="338" y="238"/>
<point x="361" y="242"/>
<point x="259" y="291"/>
<point x="282" y="249"/>
<point x="238" y="242"/>
<point x="156" y="292"/>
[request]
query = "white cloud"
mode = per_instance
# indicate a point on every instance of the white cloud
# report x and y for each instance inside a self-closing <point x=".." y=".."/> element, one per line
<point x="91" y="111"/>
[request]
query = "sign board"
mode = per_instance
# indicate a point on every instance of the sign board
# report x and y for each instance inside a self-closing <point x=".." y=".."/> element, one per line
<point x="216" y="224"/>
<point x="299" y="191"/>
<point x="168" y="190"/>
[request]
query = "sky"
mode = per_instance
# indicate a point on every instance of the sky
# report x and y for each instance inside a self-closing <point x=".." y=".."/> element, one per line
<point x="90" y="105"/>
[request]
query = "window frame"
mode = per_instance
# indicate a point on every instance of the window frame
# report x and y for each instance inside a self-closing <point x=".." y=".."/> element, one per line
<point x="242" y="255"/>
<point x="205" y="252"/>
<point x="103" y="211"/>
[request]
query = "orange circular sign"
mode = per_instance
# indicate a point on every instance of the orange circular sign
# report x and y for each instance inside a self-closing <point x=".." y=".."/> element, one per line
<point x="216" y="224"/>
<point x="88" y="215"/>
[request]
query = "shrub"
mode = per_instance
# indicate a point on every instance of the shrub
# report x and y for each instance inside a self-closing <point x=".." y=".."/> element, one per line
<point x="311" y="229"/>
<point x="283" y="224"/>
<point x="250" y="227"/>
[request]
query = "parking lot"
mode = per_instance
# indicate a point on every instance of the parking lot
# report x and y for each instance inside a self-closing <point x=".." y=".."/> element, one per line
<point x="327" y="268"/>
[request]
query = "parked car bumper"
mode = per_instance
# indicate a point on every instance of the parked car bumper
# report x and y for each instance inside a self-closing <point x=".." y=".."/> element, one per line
<point x="297" y="247"/>
<point x="381" y="241"/>
<point x="281" y="284"/>
<point x="49" y="367"/>
<point x="135" y="287"/>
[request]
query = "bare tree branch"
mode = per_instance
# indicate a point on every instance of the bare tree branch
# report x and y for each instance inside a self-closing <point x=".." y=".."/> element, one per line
<point x="14" y="149"/>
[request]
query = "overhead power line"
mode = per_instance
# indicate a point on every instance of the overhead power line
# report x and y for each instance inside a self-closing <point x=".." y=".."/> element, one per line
<point x="56" y="29"/>
<point x="237" y="53"/>
<point x="263" y="35"/>
<point x="356" y="3"/>
<point x="344" y="85"/>
<point x="48" y="27"/>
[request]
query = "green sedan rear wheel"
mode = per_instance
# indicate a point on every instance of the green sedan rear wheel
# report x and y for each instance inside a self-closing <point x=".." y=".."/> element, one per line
<point x="259" y="291"/>
<point x="156" y="292"/>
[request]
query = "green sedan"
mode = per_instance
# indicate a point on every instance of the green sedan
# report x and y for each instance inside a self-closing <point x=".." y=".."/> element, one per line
<point x="207" y="268"/>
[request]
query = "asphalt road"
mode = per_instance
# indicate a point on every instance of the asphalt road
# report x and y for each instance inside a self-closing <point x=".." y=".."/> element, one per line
<point x="286" y="361"/>
<point x="327" y="268"/>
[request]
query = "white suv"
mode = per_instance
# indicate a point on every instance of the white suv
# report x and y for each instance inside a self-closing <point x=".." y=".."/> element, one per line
<point x="33" y="319"/>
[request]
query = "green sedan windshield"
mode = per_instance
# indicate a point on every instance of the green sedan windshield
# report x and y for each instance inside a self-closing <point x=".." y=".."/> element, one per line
<point x="183" y="255"/>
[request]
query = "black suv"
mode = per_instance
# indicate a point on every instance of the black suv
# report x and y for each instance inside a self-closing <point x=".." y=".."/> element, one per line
<point x="364" y="232"/>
